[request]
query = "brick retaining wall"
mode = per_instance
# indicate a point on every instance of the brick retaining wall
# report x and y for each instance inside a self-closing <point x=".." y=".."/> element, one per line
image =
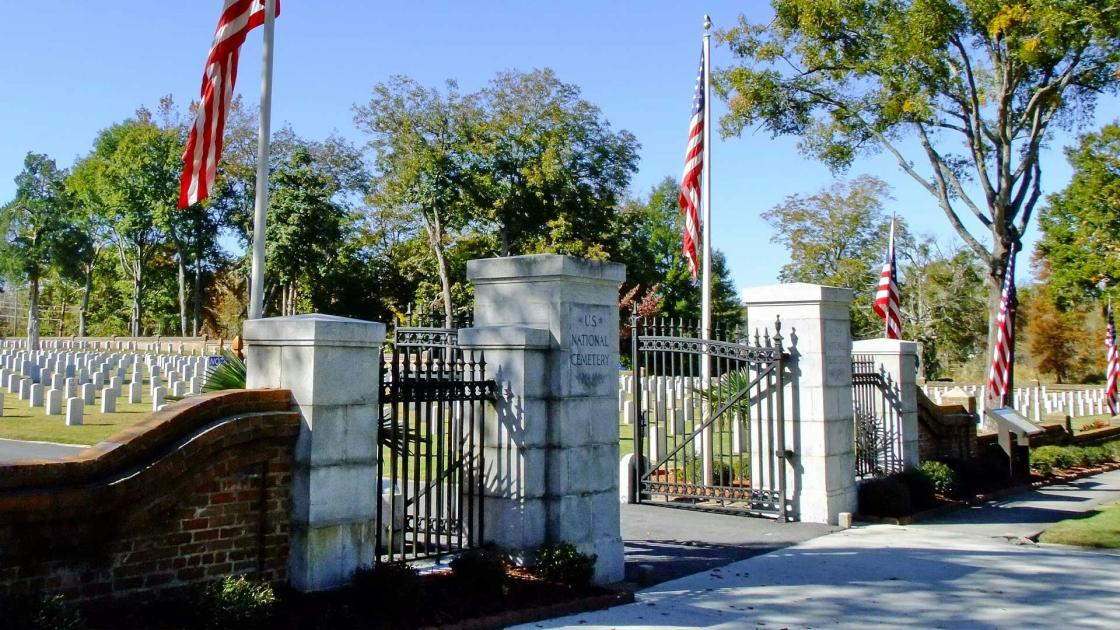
<point x="196" y="492"/>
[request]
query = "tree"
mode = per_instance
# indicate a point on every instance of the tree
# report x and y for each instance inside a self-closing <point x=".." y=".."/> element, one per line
<point x="135" y="171"/>
<point x="838" y="237"/>
<point x="547" y="171"/>
<point x="37" y="231"/>
<point x="986" y="76"/>
<point x="418" y="135"/>
<point x="943" y="306"/>
<point x="1081" y="224"/>
<point x="649" y="234"/>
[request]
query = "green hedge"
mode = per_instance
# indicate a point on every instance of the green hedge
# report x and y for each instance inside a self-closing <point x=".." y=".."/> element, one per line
<point x="1047" y="459"/>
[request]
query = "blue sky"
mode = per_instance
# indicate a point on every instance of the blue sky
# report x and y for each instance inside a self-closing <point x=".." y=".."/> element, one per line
<point x="74" y="66"/>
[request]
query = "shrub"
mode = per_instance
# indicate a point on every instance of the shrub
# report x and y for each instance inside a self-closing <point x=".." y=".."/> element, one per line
<point x="39" y="612"/>
<point x="237" y="602"/>
<point x="483" y="570"/>
<point x="563" y="563"/>
<point x="1096" y="455"/>
<point x="884" y="496"/>
<point x="723" y="473"/>
<point x="940" y="476"/>
<point x="389" y="581"/>
<point x="1044" y="459"/>
<point x="1074" y="456"/>
<point x="1113" y="449"/>
<point x="922" y="493"/>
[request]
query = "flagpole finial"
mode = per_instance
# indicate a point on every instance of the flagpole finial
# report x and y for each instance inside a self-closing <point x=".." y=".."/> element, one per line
<point x="707" y="22"/>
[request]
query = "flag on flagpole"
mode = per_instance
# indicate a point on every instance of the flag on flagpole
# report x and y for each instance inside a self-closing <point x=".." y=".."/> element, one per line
<point x="690" y="181"/>
<point x="1112" y="370"/>
<point x="1000" y="372"/>
<point x="204" y="143"/>
<point x="886" y="304"/>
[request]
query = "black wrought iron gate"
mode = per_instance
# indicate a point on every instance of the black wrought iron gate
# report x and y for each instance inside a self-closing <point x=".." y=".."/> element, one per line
<point x="708" y="419"/>
<point x="431" y="444"/>
<point x="876" y="410"/>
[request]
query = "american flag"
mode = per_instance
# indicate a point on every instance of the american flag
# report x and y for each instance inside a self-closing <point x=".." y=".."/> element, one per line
<point x="1112" y="371"/>
<point x="204" y="144"/>
<point x="690" y="181"/>
<point x="1000" y="373"/>
<point x="886" y="297"/>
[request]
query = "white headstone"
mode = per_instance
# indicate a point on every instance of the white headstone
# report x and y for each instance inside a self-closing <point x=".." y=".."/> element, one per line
<point x="54" y="402"/>
<point x="158" y="395"/>
<point x="89" y="393"/>
<point x="108" y="400"/>
<point x="74" y="409"/>
<point x="36" y="395"/>
<point x="177" y="389"/>
<point x="134" y="391"/>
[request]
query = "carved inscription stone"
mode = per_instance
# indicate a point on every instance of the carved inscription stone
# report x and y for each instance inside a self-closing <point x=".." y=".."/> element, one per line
<point x="592" y="347"/>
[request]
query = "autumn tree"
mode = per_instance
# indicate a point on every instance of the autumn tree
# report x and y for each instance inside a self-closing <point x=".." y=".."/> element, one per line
<point x="962" y="93"/>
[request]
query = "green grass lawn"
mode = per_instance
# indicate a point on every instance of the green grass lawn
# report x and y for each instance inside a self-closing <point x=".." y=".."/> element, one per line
<point x="1096" y="529"/>
<point x="22" y="422"/>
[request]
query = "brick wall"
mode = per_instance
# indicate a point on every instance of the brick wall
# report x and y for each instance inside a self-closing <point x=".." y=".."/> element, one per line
<point x="945" y="432"/>
<point x="198" y="491"/>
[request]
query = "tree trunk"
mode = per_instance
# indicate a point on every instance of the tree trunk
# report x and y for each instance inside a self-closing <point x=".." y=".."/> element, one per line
<point x="197" y="308"/>
<point x="33" y="312"/>
<point x="137" y="287"/>
<point x="182" y="294"/>
<point x="84" y="309"/>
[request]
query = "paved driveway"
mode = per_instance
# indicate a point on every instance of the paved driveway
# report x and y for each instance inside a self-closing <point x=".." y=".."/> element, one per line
<point x="971" y="569"/>
<point x="15" y="450"/>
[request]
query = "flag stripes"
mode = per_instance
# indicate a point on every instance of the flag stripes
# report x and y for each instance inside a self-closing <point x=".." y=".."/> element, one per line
<point x="689" y="199"/>
<point x="887" y="297"/>
<point x="1112" y="369"/>
<point x="1000" y="372"/>
<point x="204" y="142"/>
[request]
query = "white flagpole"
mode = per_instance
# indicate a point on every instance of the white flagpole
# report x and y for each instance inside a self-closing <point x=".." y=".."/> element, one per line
<point x="260" y="206"/>
<point x="706" y="192"/>
<point x="894" y="261"/>
<point x="706" y="274"/>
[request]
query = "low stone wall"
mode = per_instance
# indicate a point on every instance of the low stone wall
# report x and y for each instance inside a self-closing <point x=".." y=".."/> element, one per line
<point x="945" y="432"/>
<point x="198" y="491"/>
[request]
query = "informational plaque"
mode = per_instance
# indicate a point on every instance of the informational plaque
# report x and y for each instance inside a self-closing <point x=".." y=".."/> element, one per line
<point x="592" y="348"/>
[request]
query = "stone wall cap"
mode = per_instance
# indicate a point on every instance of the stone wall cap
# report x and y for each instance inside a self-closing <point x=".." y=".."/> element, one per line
<point x="544" y="266"/>
<point x="796" y="293"/>
<point x="313" y="328"/>
<point x="884" y="346"/>
<point x="505" y="337"/>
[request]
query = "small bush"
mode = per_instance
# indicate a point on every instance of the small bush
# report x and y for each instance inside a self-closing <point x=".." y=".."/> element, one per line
<point x="723" y="473"/>
<point x="884" y="496"/>
<point x="1113" y="449"/>
<point x="483" y="570"/>
<point x="39" y="612"/>
<point x="922" y="493"/>
<point x="1045" y="459"/>
<point x="237" y="602"/>
<point x="1074" y="456"/>
<point x="1096" y="455"/>
<point x="563" y="563"/>
<point x="940" y="476"/>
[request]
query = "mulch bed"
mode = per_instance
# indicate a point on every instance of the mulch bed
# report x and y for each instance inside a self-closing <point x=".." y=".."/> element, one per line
<point x="441" y="601"/>
<point x="946" y="505"/>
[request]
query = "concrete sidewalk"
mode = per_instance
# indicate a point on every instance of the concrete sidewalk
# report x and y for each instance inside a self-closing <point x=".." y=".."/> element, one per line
<point x="967" y="570"/>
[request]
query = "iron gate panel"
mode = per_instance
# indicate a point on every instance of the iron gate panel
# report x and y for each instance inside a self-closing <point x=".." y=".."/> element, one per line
<point x="876" y="412"/>
<point x="710" y="435"/>
<point x="433" y="395"/>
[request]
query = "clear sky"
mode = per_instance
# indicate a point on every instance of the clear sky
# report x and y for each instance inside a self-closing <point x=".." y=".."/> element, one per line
<point x="73" y="67"/>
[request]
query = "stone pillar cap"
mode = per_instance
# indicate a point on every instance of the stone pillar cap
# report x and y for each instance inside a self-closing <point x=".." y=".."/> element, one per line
<point x="796" y="292"/>
<point x="314" y="329"/>
<point x="883" y="345"/>
<point x="538" y="266"/>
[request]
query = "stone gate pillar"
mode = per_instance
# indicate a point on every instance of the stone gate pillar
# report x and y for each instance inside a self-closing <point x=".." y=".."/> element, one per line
<point x="548" y="325"/>
<point x="818" y="394"/>
<point x="330" y="364"/>
<point x="899" y="360"/>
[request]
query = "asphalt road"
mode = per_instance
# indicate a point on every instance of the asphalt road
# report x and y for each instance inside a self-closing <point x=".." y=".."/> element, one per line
<point x="16" y="450"/>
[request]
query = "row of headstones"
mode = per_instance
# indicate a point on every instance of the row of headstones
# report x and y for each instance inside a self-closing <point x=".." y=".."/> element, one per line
<point x="669" y="397"/>
<point x="109" y="345"/>
<point x="1036" y="401"/>
<point x="79" y="376"/>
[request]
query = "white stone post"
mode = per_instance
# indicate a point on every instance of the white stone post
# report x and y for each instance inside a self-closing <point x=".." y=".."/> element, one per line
<point x="899" y="360"/>
<point x="549" y="327"/>
<point x="818" y="394"/>
<point x="331" y="366"/>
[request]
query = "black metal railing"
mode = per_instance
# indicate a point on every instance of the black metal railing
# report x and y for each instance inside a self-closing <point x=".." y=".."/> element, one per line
<point x="433" y="397"/>
<point x="876" y="410"/>
<point x="708" y="416"/>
